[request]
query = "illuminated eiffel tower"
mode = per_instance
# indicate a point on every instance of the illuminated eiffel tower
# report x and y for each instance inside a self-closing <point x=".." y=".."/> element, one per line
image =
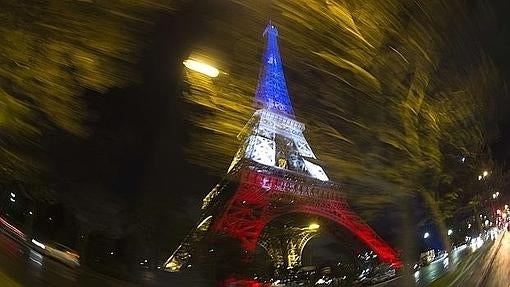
<point x="274" y="173"/>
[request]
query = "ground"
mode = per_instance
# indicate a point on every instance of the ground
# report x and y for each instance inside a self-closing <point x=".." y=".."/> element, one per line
<point x="486" y="266"/>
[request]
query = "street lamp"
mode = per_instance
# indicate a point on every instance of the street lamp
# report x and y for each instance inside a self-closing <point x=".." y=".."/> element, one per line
<point x="483" y="175"/>
<point x="426" y="235"/>
<point x="13" y="197"/>
<point x="202" y="68"/>
<point x="450" y="232"/>
<point x="313" y="226"/>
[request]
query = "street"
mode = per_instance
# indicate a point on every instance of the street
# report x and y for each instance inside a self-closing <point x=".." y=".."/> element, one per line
<point x="499" y="273"/>
<point x="21" y="266"/>
<point x="468" y="265"/>
<point x="438" y="267"/>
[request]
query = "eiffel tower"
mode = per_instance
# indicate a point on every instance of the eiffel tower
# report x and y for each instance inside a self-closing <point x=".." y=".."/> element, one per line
<point x="274" y="173"/>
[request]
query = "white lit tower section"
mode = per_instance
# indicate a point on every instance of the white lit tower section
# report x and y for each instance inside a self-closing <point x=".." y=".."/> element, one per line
<point x="272" y="136"/>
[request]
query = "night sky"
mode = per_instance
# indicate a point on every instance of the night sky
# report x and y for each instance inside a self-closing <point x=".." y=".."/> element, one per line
<point x="135" y="162"/>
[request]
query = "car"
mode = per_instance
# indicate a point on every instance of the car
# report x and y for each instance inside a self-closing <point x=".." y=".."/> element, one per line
<point x="64" y="254"/>
<point x="59" y="252"/>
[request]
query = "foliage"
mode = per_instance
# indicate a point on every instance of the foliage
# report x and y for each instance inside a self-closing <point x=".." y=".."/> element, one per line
<point x="52" y="52"/>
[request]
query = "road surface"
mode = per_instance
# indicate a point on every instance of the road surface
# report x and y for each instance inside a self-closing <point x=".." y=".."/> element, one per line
<point x="440" y="266"/>
<point x="21" y="266"/>
<point x="466" y="266"/>
<point x="499" y="272"/>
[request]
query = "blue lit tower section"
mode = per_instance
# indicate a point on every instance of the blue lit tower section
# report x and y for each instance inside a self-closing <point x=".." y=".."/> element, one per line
<point x="271" y="92"/>
<point x="273" y="137"/>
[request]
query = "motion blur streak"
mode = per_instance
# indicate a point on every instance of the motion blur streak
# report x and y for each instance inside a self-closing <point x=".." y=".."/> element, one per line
<point x="54" y="54"/>
<point x="201" y="68"/>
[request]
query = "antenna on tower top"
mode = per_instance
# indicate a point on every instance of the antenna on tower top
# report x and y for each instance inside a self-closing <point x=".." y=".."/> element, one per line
<point x="271" y="92"/>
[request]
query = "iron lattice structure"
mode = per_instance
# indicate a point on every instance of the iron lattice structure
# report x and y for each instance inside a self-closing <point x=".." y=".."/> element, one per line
<point x="285" y="244"/>
<point x="274" y="173"/>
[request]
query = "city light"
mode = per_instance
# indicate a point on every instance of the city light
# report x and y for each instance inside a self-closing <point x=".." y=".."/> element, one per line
<point x="38" y="244"/>
<point x="314" y="226"/>
<point x="201" y="68"/>
<point x="450" y="232"/>
<point x="426" y="235"/>
<point x="13" y="195"/>
<point x="483" y="175"/>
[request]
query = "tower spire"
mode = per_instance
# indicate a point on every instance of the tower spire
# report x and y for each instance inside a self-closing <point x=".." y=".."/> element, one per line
<point x="271" y="93"/>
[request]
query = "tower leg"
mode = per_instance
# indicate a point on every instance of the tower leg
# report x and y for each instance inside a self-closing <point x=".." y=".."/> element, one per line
<point x="295" y="245"/>
<point x="182" y="255"/>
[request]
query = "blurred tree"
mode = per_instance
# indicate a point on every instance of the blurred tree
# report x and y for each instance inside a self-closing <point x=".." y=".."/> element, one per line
<point x="53" y="51"/>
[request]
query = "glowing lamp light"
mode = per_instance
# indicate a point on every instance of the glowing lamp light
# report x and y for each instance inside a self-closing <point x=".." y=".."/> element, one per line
<point x="38" y="244"/>
<point x="426" y="235"/>
<point x="172" y="265"/>
<point x="314" y="226"/>
<point x="479" y="177"/>
<point x="485" y="173"/>
<point x="201" y="68"/>
<point x="450" y="232"/>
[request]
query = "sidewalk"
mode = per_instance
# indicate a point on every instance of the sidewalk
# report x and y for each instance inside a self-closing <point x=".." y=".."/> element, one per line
<point x="499" y="272"/>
